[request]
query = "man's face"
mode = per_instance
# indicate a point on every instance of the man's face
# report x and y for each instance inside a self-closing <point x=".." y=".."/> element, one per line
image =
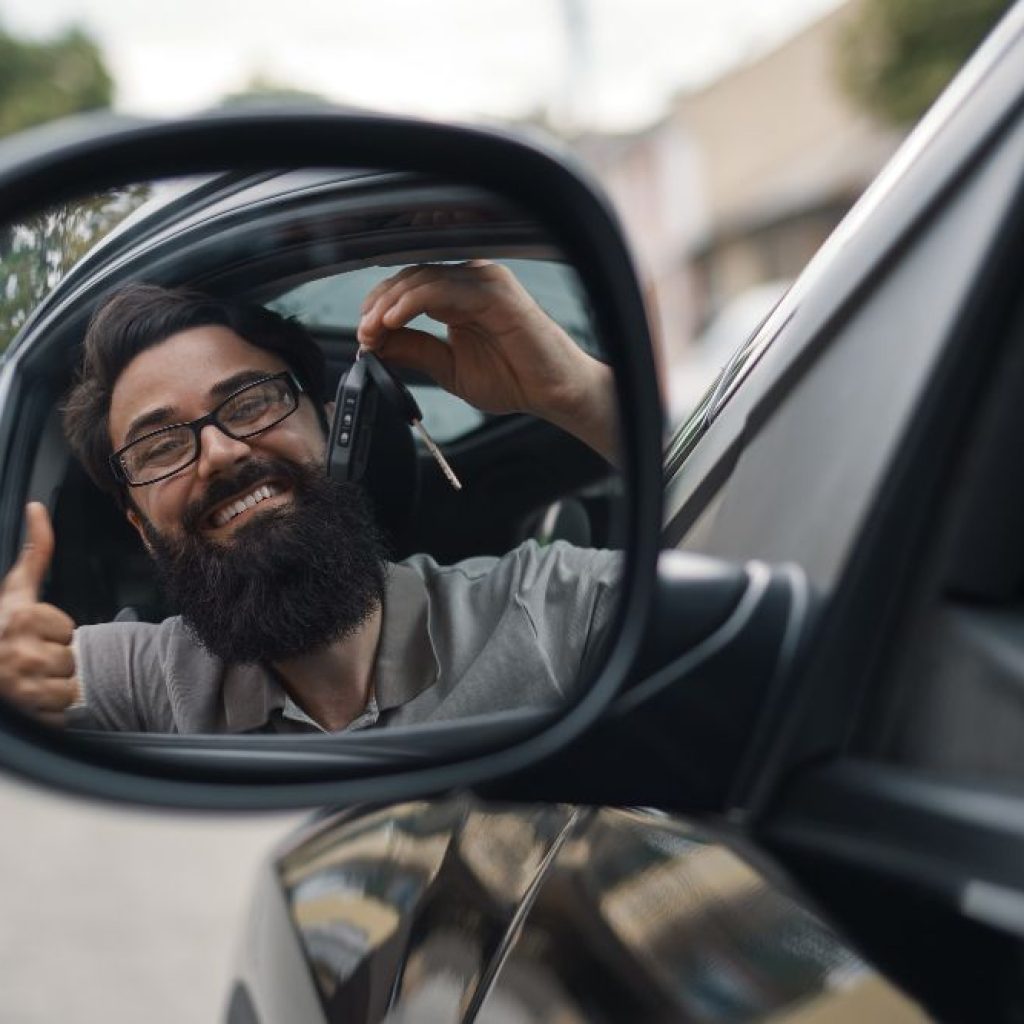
<point x="181" y="379"/>
<point x="286" y="576"/>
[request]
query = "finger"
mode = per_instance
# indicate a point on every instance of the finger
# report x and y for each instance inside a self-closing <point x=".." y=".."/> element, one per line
<point x="387" y="293"/>
<point x="46" y="693"/>
<point x="382" y="286"/>
<point x="53" y="624"/>
<point x="27" y="575"/>
<point x="450" y="302"/>
<point x="418" y="274"/>
<point x="37" y="621"/>
<point x="57" y="661"/>
<point x="29" y="658"/>
<point x="418" y="350"/>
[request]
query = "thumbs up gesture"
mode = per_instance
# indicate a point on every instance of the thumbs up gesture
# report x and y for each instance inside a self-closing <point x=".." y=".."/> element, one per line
<point x="37" y="667"/>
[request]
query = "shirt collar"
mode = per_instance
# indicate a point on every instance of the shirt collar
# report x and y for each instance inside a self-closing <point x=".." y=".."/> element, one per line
<point x="406" y="662"/>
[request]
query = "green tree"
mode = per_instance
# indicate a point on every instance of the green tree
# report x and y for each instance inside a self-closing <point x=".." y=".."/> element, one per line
<point x="37" y="252"/>
<point x="39" y="82"/>
<point x="46" y="80"/>
<point x="896" y="56"/>
<point x="264" y="90"/>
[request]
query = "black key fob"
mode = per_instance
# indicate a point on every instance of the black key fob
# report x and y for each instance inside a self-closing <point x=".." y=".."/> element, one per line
<point x="355" y="411"/>
<point x="394" y="392"/>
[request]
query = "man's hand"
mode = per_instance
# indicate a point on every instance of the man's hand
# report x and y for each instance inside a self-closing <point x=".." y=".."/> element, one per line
<point x="503" y="354"/>
<point x="37" y="667"/>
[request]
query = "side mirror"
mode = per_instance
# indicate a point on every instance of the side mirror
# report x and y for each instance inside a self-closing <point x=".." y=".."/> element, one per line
<point x="308" y="215"/>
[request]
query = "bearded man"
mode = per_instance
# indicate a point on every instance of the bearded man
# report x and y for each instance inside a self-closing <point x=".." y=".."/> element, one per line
<point x="205" y="419"/>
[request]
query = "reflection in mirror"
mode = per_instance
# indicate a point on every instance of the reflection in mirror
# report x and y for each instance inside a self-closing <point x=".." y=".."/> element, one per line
<point x="307" y="451"/>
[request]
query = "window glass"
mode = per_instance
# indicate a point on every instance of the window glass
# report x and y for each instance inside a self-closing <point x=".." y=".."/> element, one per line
<point x="334" y="303"/>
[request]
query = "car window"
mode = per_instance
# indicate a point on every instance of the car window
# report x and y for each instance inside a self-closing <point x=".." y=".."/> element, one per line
<point x="333" y="304"/>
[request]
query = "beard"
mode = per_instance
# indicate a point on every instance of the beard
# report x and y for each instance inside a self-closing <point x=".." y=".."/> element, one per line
<point x="291" y="581"/>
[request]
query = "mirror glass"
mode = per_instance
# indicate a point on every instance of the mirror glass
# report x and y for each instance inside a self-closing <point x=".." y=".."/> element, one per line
<point x="196" y="563"/>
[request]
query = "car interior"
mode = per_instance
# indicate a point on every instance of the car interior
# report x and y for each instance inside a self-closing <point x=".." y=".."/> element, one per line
<point x="311" y="246"/>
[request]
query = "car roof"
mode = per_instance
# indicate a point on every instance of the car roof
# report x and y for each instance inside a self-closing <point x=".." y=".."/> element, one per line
<point x="215" y="221"/>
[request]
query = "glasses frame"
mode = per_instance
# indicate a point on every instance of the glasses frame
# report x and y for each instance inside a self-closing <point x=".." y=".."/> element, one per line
<point x="196" y="426"/>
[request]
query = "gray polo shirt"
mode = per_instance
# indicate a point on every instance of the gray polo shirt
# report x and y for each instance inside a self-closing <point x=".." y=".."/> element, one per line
<point x="484" y="635"/>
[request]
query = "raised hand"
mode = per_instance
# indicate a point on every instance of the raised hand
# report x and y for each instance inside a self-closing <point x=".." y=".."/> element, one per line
<point x="37" y="666"/>
<point x="503" y="353"/>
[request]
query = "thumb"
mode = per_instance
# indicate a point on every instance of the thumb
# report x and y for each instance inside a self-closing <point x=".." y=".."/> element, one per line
<point x="29" y="571"/>
<point x="417" y="350"/>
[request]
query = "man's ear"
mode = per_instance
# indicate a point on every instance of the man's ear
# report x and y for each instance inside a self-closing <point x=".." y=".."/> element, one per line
<point x="327" y="417"/>
<point x="136" y="520"/>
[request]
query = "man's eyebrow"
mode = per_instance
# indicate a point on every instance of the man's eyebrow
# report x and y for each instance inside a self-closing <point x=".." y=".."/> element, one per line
<point x="154" y="418"/>
<point x="159" y="417"/>
<point x="229" y="385"/>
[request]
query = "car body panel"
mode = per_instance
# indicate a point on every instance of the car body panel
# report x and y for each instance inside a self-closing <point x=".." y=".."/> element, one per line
<point x="462" y="910"/>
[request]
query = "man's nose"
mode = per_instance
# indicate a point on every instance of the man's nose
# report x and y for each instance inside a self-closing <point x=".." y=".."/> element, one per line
<point x="218" y="452"/>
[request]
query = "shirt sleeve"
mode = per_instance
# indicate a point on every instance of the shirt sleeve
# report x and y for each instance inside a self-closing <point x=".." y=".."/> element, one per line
<point x="569" y="595"/>
<point x="122" y="676"/>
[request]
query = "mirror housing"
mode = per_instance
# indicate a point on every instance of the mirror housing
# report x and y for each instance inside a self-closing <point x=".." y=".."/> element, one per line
<point x="63" y="161"/>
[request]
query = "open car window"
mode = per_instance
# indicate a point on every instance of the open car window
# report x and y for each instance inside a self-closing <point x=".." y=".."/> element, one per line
<point x="334" y="302"/>
<point x="331" y="306"/>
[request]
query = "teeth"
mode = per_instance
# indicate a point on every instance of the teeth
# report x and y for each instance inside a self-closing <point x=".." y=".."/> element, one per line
<point x="225" y="515"/>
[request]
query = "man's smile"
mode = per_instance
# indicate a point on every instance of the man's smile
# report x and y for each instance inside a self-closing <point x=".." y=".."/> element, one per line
<point x="237" y="509"/>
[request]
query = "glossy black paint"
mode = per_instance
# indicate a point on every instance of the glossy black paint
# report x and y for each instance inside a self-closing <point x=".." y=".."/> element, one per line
<point x="461" y="911"/>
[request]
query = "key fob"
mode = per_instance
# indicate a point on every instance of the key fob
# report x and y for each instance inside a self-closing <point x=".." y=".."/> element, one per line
<point x="395" y="393"/>
<point x="355" y="410"/>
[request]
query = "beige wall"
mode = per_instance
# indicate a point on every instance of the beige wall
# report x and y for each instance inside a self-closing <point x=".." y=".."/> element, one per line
<point x="779" y="135"/>
<point x="782" y="153"/>
<point x="742" y="181"/>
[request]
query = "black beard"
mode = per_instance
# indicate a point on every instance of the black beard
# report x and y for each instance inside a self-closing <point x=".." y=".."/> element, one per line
<point x="291" y="581"/>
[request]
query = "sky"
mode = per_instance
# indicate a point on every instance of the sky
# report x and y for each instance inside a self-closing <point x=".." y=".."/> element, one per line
<point x="454" y="59"/>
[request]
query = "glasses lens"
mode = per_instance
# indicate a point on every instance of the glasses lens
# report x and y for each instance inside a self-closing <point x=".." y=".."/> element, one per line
<point x="257" y="407"/>
<point x="158" y="455"/>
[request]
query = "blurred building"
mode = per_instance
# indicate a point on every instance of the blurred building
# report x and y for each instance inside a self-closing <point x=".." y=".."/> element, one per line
<point x="740" y="183"/>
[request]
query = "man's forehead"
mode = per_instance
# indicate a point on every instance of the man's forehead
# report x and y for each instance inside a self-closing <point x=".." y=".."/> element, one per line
<point x="187" y="369"/>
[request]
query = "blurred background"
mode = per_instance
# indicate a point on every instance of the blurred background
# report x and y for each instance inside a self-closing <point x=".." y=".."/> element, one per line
<point x="732" y="138"/>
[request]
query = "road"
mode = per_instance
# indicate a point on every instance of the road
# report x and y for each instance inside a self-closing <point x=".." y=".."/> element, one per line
<point x="112" y="915"/>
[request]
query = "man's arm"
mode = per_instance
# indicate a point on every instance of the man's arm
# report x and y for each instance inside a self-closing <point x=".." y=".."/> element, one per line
<point x="504" y="353"/>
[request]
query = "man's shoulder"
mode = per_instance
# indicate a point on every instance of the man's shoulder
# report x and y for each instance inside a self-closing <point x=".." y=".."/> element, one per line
<point x="168" y="642"/>
<point x="526" y="564"/>
<point x="129" y="632"/>
<point x="150" y="677"/>
<point x="543" y="578"/>
<point x="509" y="631"/>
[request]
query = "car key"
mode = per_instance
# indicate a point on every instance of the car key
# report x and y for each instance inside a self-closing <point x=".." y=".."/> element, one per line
<point x="355" y="411"/>
<point x="401" y="398"/>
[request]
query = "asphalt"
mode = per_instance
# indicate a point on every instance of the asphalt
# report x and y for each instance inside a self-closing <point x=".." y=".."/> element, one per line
<point x="115" y="915"/>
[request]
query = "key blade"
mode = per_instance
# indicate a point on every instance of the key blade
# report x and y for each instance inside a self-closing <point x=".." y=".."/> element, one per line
<point x="438" y="457"/>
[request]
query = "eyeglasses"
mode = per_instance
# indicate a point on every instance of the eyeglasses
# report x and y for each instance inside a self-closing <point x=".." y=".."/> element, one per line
<point x="248" y="411"/>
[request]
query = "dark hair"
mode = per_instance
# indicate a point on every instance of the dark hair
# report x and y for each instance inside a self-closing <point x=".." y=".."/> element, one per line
<point x="139" y="316"/>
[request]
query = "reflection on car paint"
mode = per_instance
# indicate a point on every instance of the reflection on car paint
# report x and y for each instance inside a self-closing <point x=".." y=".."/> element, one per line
<point x="405" y="907"/>
<point x="645" y="920"/>
<point x="428" y="911"/>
